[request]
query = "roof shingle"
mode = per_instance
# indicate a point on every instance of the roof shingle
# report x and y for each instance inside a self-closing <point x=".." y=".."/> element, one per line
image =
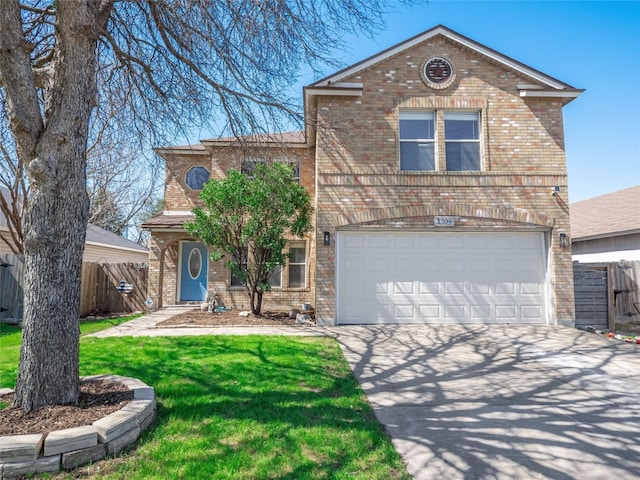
<point x="612" y="213"/>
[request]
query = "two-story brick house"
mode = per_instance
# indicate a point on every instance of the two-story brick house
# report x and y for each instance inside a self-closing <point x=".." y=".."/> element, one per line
<point x="438" y="173"/>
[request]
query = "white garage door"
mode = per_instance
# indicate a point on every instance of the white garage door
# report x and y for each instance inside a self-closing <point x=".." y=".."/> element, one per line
<point x="418" y="277"/>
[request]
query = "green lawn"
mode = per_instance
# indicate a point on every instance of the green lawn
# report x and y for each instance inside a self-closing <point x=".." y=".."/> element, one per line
<point x="11" y="336"/>
<point x="241" y="408"/>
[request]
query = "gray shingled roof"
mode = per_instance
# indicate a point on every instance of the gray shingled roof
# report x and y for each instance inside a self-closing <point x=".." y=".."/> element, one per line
<point x="610" y="214"/>
<point x="164" y="220"/>
<point x="100" y="235"/>
<point x="94" y="234"/>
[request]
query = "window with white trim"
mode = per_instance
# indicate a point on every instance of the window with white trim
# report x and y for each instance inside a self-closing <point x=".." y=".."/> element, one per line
<point x="275" y="279"/>
<point x="417" y="141"/>
<point x="462" y="141"/>
<point x="297" y="265"/>
<point x="249" y="164"/>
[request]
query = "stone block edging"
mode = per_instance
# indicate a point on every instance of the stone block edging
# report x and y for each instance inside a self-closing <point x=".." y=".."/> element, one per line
<point x="73" y="447"/>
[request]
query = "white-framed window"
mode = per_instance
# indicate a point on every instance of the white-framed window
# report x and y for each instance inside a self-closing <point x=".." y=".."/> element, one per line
<point x="462" y="141"/>
<point x="275" y="279"/>
<point x="297" y="265"/>
<point x="295" y="165"/>
<point x="249" y="164"/>
<point x="417" y="141"/>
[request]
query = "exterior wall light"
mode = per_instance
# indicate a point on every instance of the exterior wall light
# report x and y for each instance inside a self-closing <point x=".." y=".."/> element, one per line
<point x="326" y="238"/>
<point x="564" y="240"/>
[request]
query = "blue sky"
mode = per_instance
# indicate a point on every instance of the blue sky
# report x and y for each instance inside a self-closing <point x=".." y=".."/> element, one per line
<point x="590" y="45"/>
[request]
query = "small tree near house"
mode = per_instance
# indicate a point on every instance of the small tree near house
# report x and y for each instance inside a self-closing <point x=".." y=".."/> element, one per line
<point x="247" y="220"/>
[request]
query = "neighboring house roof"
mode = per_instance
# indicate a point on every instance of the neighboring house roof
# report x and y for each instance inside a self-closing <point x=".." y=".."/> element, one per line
<point x="95" y="235"/>
<point x="101" y="236"/>
<point x="612" y="214"/>
<point x="168" y="220"/>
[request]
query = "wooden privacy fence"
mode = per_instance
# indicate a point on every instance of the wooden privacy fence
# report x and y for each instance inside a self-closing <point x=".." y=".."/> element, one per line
<point x="11" y="294"/>
<point x="606" y="293"/>
<point x="99" y="288"/>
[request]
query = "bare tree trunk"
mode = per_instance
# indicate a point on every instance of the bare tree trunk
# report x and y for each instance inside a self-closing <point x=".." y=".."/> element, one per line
<point x="256" y="302"/>
<point x="57" y="210"/>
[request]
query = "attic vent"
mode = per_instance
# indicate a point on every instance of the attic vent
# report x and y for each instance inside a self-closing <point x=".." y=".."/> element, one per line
<point x="437" y="72"/>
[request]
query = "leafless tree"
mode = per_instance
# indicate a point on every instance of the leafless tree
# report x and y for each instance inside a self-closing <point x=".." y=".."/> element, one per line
<point x="161" y="66"/>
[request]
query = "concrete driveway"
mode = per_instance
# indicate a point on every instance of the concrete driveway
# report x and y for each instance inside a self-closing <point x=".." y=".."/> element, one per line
<point x="502" y="402"/>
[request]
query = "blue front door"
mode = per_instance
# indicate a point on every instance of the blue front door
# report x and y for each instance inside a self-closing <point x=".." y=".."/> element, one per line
<point x="193" y="272"/>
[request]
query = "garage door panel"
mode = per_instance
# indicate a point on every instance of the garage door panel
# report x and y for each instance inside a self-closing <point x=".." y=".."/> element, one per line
<point x="404" y="265"/>
<point x="479" y="242"/>
<point x="452" y="288"/>
<point x="455" y="243"/>
<point x="354" y="241"/>
<point x="530" y="312"/>
<point x="503" y="243"/>
<point x="455" y="312"/>
<point x="480" y="312"/>
<point x="428" y="264"/>
<point x="402" y="288"/>
<point x="422" y="277"/>
<point x="530" y="289"/>
<point x="404" y="312"/>
<point x="378" y="241"/>
<point x="505" y="288"/>
<point x="354" y="265"/>
<point x="428" y="242"/>
<point x="479" y="265"/>
<point x="479" y="288"/>
<point x="430" y="312"/>
<point x="379" y="264"/>
<point x="403" y="241"/>
<point x="428" y="288"/>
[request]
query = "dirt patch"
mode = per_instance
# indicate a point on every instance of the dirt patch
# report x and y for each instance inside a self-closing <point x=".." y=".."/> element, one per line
<point x="97" y="400"/>
<point x="629" y="328"/>
<point x="230" y="318"/>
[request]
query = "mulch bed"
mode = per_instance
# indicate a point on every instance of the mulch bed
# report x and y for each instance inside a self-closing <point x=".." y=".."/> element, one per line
<point x="97" y="400"/>
<point x="230" y="318"/>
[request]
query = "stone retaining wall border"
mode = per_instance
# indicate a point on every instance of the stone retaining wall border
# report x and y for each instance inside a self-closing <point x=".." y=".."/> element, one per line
<point x="73" y="447"/>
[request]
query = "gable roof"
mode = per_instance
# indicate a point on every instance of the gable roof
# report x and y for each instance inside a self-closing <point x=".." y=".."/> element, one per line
<point x="550" y="82"/>
<point x="335" y="84"/>
<point x="612" y="214"/>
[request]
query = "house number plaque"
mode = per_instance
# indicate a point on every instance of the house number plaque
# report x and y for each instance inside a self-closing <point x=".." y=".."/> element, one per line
<point x="439" y="221"/>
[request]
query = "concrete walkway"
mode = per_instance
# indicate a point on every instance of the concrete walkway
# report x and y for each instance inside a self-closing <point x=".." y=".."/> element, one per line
<point x="485" y="402"/>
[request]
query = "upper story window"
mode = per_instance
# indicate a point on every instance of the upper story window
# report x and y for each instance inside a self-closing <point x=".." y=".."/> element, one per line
<point x="295" y="165"/>
<point x="417" y="141"/>
<point x="196" y="177"/>
<point x="249" y="163"/>
<point x="462" y="141"/>
<point x="426" y="146"/>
